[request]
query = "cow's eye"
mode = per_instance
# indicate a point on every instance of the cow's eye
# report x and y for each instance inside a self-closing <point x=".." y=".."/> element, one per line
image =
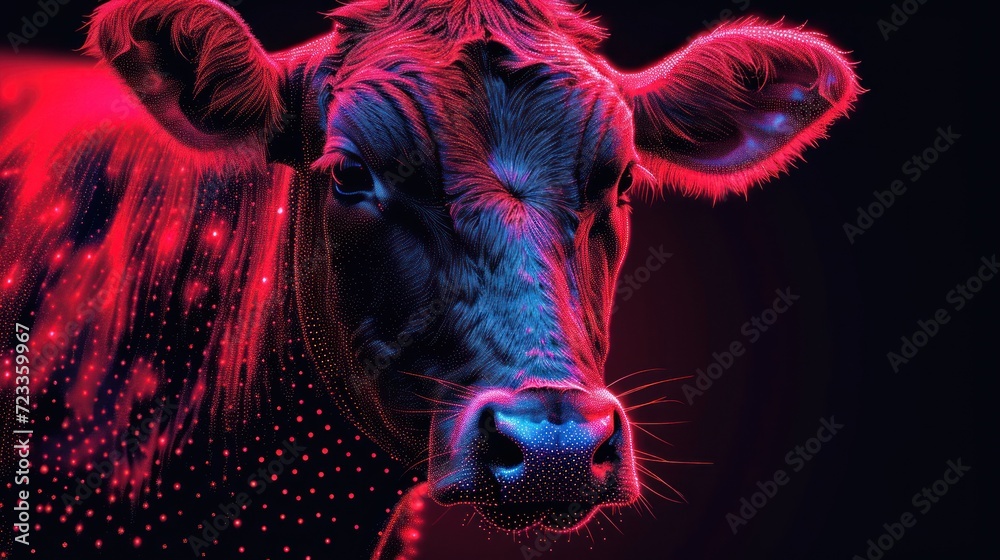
<point x="350" y="176"/>
<point x="626" y="180"/>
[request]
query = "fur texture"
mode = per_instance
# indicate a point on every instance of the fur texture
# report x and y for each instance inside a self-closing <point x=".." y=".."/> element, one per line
<point x="195" y="57"/>
<point x="738" y="106"/>
<point x="164" y="267"/>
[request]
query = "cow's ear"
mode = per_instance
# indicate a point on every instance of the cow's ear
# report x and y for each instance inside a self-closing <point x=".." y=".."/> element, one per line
<point x="737" y="106"/>
<point x="195" y="66"/>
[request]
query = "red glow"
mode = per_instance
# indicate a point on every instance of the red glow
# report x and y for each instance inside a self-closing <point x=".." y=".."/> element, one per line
<point x="130" y="263"/>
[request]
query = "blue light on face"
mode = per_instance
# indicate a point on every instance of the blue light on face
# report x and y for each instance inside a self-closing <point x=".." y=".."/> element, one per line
<point x="797" y="95"/>
<point x="506" y="475"/>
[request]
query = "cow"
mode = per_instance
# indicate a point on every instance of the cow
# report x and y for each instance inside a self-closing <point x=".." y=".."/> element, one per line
<point x="435" y="196"/>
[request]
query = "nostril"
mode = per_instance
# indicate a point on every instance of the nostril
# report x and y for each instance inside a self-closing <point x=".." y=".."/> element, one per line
<point x="609" y="451"/>
<point x="501" y="451"/>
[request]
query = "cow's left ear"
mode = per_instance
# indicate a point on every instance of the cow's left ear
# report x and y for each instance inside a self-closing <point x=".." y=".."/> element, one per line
<point x="737" y="106"/>
<point x="195" y="66"/>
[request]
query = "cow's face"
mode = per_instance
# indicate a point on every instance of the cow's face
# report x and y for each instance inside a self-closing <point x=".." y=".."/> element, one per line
<point x="461" y="208"/>
<point x="480" y="207"/>
<point x="479" y="202"/>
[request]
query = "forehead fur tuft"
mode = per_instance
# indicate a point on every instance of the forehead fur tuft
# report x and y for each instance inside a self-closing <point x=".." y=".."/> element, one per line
<point x="520" y="22"/>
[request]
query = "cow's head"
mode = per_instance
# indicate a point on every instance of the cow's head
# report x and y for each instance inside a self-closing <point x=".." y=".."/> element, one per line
<point x="461" y="209"/>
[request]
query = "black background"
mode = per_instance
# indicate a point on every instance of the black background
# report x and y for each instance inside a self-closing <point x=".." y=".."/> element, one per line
<point x="825" y="357"/>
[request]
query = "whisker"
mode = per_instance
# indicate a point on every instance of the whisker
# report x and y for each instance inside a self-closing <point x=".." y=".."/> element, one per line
<point x="651" y="474"/>
<point x="445" y="382"/>
<point x="657" y="459"/>
<point x="661" y="481"/>
<point x="427" y="448"/>
<point x="647" y="487"/>
<point x="649" y="507"/>
<point x="653" y="384"/>
<point x="633" y="374"/>
<point x="660" y="400"/>
<point x="440" y="517"/>
<point x="610" y="521"/>
<point x="443" y="403"/>
<point x="637" y="505"/>
<point x="649" y="456"/>
<point x="426" y="459"/>
<point x="654" y="436"/>
<point x="651" y="460"/>
<point x="451" y="474"/>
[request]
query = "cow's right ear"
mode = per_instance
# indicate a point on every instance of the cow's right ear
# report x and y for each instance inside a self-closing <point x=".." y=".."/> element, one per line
<point x="196" y="67"/>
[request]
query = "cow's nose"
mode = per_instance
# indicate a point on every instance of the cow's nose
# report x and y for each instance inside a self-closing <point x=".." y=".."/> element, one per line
<point x="539" y="452"/>
<point x="547" y="455"/>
